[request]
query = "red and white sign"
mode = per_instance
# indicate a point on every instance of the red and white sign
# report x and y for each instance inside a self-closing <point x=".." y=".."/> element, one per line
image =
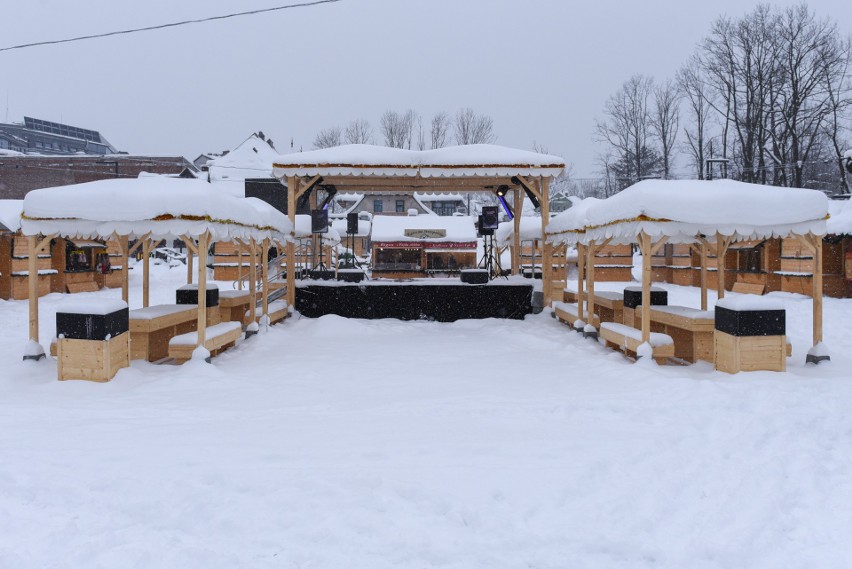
<point x="422" y="245"/>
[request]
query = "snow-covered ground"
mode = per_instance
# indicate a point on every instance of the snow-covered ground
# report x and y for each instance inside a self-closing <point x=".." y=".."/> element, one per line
<point x="478" y="444"/>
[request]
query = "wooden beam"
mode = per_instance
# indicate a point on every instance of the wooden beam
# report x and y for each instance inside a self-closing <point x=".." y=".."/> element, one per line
<point x="191" y="250"/>
<point x="527" y="185"/>
<point x="265" y="276"/>
<point x="125" y="274"/>
<point x="543" y="185"/>
<point x="293" y="185"/>
<point x="581" y="275"/>
<point x="590" y="280"/>
<point x="659" y="244"/>
<point x="203" y="245"/>
<point x="32" y="285"/>
<point x="139" y="243"/>
<point x="146" y="271"/>
<point x="722" y="244"/>
<point x="307" y="186"/>
<point x="703" y="272"/>
<point x="42" y="246"/>
<point x="416" y="184"/>
<point x="190" y="243"/>
<point x="645" y="248"/>
<point x="516" y="238"/>
<point x="253" y="281"/>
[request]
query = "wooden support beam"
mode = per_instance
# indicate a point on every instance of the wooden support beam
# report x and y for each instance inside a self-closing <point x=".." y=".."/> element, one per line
<point x="253" y="281"/>
<point x="659" y="245"/>
<point x="240" y="265"/>
<point x="516" y="237"/>
<point x="42" y="245"/>
<point x="307" y="186"/>
<point x="722" y="244"/>
<point x="532" y="187"/>
<point x="293" y="189"/>
<point x="265" y="278"/>
<point x="203" y="245"/>
<point x="543" y="185"/>
<point x="581" y="275"/>
<point x="817" y="293"/>
<point x="32" y="285"/>
<point x="645" y="248"/>
<point x="590" y="280"/>
<point x="125" y="274"/>
<point x="191" y="250"/>
<point x="139" y="243"/>
<point x="146" y="271"/>
<point x="702" y="253"/>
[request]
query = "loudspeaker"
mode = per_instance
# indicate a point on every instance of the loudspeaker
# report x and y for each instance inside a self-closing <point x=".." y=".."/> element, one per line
<point x="352" y="223"/>
<point x="319" y="221"/>
<point x="489" y="218"/>
<point x="480" y="230"/>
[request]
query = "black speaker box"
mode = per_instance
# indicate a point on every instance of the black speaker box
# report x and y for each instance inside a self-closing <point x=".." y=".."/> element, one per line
<point x="352" y="223"/>
<point x="319" y="221"/>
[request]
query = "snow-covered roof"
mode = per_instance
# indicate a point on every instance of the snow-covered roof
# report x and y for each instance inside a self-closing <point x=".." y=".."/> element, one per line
<point x="530" y="229"/>
<point x="840" y="217"/>
<point x="393" y="227"/>
<point x="364" y="227"/>
<point x="450" y="162"/>
<point x="251" y="159"/>
<point x="439" y="197"/>
<point x="10" y="214"/>
<point x="165" y="207"/>
<point x="683" y="209"/>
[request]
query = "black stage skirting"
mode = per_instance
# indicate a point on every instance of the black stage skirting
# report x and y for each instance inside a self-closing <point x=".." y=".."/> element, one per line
<point x="438" y="302"/>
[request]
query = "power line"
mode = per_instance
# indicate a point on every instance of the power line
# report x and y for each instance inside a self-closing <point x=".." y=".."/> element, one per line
<point x="171" y="25"/>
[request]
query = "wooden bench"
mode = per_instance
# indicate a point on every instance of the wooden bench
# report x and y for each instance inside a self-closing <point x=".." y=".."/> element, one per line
<point x="151" y="329"/>
<point x="609" y="306"/>
<point x="568" y="313"/>
<point x="233" y="304"/>
<point x="218" y="338"/>
<point x="89" y="286"/>
<point x="629" y="339"/>
<point x="749" y="288"/>
<point x="690" y="328"/>
<point x="277" y="312"/>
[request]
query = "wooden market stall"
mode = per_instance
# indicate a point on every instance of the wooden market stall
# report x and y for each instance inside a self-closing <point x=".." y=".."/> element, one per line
<point x="148" y="210"/>
<point x="360" y="168"/>
<point x="709" y="217"/>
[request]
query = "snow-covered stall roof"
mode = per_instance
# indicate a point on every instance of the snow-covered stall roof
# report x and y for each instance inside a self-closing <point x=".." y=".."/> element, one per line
<point x="530" y="229"/>
<point x="165" y="207"/>
<point x="683" y="209"/>
<point x="340" y="226"/>
<point x="450" y="162"/>
<point x="456" y="229"/>
<point x="10" y="214"/>
<point x="840" y="220"/>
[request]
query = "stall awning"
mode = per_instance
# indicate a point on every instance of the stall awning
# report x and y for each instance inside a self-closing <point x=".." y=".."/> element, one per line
<point x="80" y="244"/>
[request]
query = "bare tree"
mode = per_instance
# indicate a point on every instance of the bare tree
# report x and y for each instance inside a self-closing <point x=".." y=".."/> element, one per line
<point x="409" y="121"/>
<point x="472" y="128"/>
<point x="328" y="137"/>
<point x="397" y="128"/>
<point x="626" y="129"/>
<point x="665" y="120"/>
<point x="358" y="131"/>
<point x="440" y="129"/>
<point x="696" y="94"/>
<point x="421" y="136"/>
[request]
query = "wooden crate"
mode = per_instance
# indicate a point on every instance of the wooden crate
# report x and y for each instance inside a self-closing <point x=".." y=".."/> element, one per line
<point x="92" y="360"/>
<point x="733" y="354"/>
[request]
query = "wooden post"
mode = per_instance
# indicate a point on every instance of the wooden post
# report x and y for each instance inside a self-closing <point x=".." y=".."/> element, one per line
<point x="722" y="244"/>
<point x="590" y="280"/>
<point x="203" y="245"/>
<point x="703" y="253"/>
<point x="253" y="280"/>
<point x="645" y="249"/>
<point x="516" y="237"/>
<point x="292" y="188"/>
<point x="32" y="285"/>
<point x="547" y="248"/>
<point x="146" y="265"/>
<point x="240" y="265"/>
<point x="265" y="277"/>
<point x="817" y="282"/>
<point x="189" y="257"/>
<point x="123" y="242"/>
<point x="581" y="275"/>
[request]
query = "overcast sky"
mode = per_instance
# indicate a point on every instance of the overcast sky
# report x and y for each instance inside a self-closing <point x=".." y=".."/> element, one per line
<point x="541" y="68"/>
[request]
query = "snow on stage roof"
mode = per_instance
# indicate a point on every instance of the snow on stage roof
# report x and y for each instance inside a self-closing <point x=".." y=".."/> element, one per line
<point x="683" y="209"/>
<point x="165" y="207"/>
<point x="393" y="227"/>
<point x="840" y="222"/>
<point x="450" y="162"/>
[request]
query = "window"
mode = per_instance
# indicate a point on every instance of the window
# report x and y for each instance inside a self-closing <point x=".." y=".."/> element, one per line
<point x="377" y="206"/>
<point x="400" y="206"/>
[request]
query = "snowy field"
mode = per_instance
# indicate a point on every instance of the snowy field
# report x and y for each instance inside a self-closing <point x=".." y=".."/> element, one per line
<point x="480" y="444"/>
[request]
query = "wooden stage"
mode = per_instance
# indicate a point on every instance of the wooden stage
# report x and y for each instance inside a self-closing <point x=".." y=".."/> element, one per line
<point x="441" y="300"/>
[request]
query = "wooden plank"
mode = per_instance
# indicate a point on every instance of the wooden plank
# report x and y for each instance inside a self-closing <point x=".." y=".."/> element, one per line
<point x="32" y="287"/>
<point x="88" y="286"/>
<point x="749" y="288"/>
<point x="203" y="244"/>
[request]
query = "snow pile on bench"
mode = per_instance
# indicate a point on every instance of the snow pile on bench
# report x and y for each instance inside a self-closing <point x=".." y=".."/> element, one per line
<point x="685" y="312"/>
<point x="749" y="302"/>
<point x="152" y="312"/>
<point x="656" y="340"/>
<point x="97" y="306"/>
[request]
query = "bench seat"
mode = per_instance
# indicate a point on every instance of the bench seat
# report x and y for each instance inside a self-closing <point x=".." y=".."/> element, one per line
<point x="568" y="312"/>
<point x="749" y="288"/>
<point x="277" y="312"/>
<point x="151" y="329"/>
<point x="218" y="337"/>
<point x="629" y="339"/>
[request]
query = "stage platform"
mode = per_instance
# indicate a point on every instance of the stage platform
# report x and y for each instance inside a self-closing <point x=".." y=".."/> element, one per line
<point x="441" y="300"/>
